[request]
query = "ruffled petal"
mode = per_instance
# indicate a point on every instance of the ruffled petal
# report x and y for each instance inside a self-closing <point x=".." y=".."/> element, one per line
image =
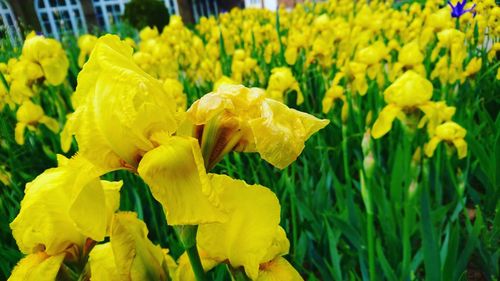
<point x="280" y="132"/>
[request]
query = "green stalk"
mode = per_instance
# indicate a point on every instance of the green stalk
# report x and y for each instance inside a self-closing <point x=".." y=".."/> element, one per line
<point x="187" y="235"/>
<point x="370" y="237"/>
<point x="345" y="156"/>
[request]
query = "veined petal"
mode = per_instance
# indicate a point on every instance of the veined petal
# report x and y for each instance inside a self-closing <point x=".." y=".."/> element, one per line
<point x="37" y="267"/>
<point x="176" y="175"/>
<point x="383" y="124"/>
<point x="245" y="238"/>
<point x="278" y="269"/>
<point x="280" y="132"/>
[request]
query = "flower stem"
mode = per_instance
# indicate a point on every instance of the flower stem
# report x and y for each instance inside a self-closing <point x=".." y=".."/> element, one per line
<point x="187" y="235"/>
<point x="194" y="259"/>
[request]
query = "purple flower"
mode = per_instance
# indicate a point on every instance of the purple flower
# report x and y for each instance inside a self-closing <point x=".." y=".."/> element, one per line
<point x="458" y="10"/>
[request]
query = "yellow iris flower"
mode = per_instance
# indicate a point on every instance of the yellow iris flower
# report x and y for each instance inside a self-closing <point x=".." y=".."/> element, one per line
<point x="451" y="133"/>
<point x="409" y="58"/>
<point x="118" y="108"/>
<point x="175" y="89"/>
<point x="62" y="208"/>
<point x="280" y="82"/>
<point x="335" y="92"/>
<point x="472" y="68"/>
<point x="124" y="119"/>
<point x="29" y="115"/>
<point x="408" y="92"/>
<point x="435" y="113"/>
<point x="86" y="44"/>
<point x="49" y="54"/>
<point x="242" y="119"/>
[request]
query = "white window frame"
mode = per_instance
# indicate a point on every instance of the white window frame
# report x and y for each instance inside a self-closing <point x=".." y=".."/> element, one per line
<point x="172" y="6"/>
<point x="50" y="10"/>
<point x="103" y="4"/>
<point x="202" y="8"/>
<point x="12" y="30"/>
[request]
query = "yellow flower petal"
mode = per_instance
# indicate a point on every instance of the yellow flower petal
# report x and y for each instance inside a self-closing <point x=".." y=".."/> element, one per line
<point x="281" y="132"/>
<point x="62" y="207"/>
<point x="251" y="229"/>
<point x="136" y="257"/>
<point x="119" y="107"/>
<point x="260" y="125"/>
<point x="184" y="271"/>
<point x="409" y="90"/>
<point x="102" y="263"/>
<point x="461" y="146"/>
<point x="176" y="175"/>
<point x="383" y="124"/>
<point x="19" y="133"/>
<point x="37" y="267"/>
<point x="49" y="54"/>
<point x="51" y="123"/>
<point x="278" y="269"/>
<point x="431" y="146"/>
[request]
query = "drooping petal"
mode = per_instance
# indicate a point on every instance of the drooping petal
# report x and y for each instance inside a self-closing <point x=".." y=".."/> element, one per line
<point x="51" y="123"/>
<point x="19" y="133"/>
<point x="461" y="147"/>
<point x="383" y="124"/>
<point x="252" y="227"/>
<point x="176" y="174"/>
<point x="37" y="267"/>
<point x="431" y="146"/>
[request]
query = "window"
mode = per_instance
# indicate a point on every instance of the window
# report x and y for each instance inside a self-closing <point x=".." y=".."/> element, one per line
<point x="253" y="3"/>
<point x="109" y="12"/>
<point x="204" y="8"/>
<point x="172" y="6"/>
<point x="58" y="17"/>
<point x="8" y="24"/>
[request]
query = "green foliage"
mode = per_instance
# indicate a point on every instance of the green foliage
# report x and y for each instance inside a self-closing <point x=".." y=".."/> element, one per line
<point x="437" y="219"/>
<point x="142" y="13"/>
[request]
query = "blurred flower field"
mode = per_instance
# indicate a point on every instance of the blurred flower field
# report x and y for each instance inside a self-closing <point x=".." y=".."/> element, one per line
<point x="340" y="140"/>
